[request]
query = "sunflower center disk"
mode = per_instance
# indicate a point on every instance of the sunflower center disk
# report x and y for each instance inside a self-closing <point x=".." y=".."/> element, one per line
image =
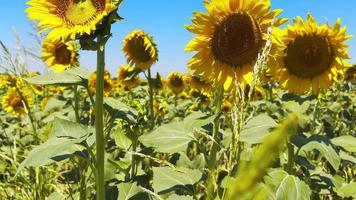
<point x="237" y="40"/>
<point x="80" y="12"/>
<point x="177" y="82"/>
<point x="309" y="56"/>
<point x="16" y="103"/>
<point x="138" y="50"/>
<point x="63" y="55"/>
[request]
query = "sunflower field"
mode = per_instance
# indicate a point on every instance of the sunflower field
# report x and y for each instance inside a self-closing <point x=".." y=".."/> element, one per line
<point x="267" y="109"/>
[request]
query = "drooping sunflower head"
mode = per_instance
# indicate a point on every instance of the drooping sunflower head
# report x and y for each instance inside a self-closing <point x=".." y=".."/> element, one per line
<point x="196" y="82"/>
<point x="175" y="82"/>
<point x="229" y="38"/>
<point x="14" y="103"/>
<point x="60" y="55"/>
<point x="141" y="52"/>
<point x="126" y="78"/>
<point x="312" y="56"/>
<point x="69" y="19"/>
<point x="107" y="83"/>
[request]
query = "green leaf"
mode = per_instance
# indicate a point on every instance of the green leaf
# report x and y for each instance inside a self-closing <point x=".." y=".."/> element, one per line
<point x="347" y="190"/>
<point x="73" y="76"/>
<point x="62" y="144"/>
<point x="120" y="110"/>
<point x="128" y="190"/>
<point x="292" y="188"/>
<point x="274" y="178"/>
<point x="166" y="179"/>
<point x="257" y="129"/>
<point x="170" y="138"/>
<point x="121" y="140"/>
<point x="54" y="150"/>
<point x="347" y="142"/>
<point x="177" y="197"/>
<point x="326" y="150"/>
<point x="346" y="156"/>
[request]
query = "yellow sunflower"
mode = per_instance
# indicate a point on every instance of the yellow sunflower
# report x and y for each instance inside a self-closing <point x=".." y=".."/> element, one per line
<point x="13" y="103"/>
<point x="229" y="38"/>
<point x="140" y="50"/>
<point x="69" y="19"/>
<point x="107" y="83"/>
<point x="175" y="82"/>
<point x="311" y="57"/>
<point x="124" y="76"/>
<point x="196" y="82"/>
<point x="59" y="55"/>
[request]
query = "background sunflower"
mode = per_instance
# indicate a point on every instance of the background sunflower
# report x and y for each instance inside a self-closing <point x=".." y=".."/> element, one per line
<point x="140" y="50"/>
<point x="59" y="55"/>
<point x="311" y="56"/>
<point x="229" y="38"/>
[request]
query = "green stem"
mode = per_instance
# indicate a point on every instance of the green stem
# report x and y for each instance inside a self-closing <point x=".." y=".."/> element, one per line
<point x="151" y="112"/>
<point x="291" y="158"/>
<point x="76" y="104"/>
<point x="99" y="123"/>
<point x="212" y="163"/>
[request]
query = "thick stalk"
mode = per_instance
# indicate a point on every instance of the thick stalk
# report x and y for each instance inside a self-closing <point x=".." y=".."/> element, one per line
<point x="99" y="123"/>
<point x="291" y="158"/>
<point x="212" y="163"/>
<point x="150" y="91"/>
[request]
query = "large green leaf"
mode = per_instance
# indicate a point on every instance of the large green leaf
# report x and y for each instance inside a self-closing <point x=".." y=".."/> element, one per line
<point x="75" y="76"/>
<point x="170" y="138"/>
<point x="292" y="188"/>
<point x="347" y="190"/>
<point x="62" y="144"/>
<point x="257" y="129"/>
<point x="128" y="190"/>
<point x="175" y="136"/>
<point x="120" y="110"/>
<point x="326" y="150"/>
<point x="347" y="142"/>
<point x="166" y="179"/>
<point x="54" y="150"/>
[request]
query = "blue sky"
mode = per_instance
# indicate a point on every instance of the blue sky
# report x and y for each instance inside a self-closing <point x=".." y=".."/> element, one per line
<point x="165" y="21"/>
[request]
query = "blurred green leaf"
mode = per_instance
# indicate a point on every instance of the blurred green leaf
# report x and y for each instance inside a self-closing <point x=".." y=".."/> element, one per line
<point x="347" y="142"/>
<point x="292" y="188"/>
<point x="347" y="190"/>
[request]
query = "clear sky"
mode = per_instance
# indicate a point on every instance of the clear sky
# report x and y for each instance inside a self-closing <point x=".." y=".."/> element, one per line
<point x="165" y="20"/>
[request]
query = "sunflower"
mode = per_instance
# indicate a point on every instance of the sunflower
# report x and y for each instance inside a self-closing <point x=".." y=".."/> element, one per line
<point x="175" y="82"/>
<point x="69" y="19"/>
<point x="229" y="38"/>
<point x="14" y="103"/>
<point x="125" y="77"/>
<point x="196" y="82"/>
<point x="60" y="55"/>
<point x="55" y="90"/>
<point x="226" y="106"/>
<point x="140" y="50"/>
<point x="311" y="57"/>
<point x="107" y="83"/>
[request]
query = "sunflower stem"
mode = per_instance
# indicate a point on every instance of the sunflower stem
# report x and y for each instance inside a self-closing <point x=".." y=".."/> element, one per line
<point x="212" y="163"/>
<point x="99" y="123"/>
<point x="76" y="104"/>
<point x="150" y="89"/>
